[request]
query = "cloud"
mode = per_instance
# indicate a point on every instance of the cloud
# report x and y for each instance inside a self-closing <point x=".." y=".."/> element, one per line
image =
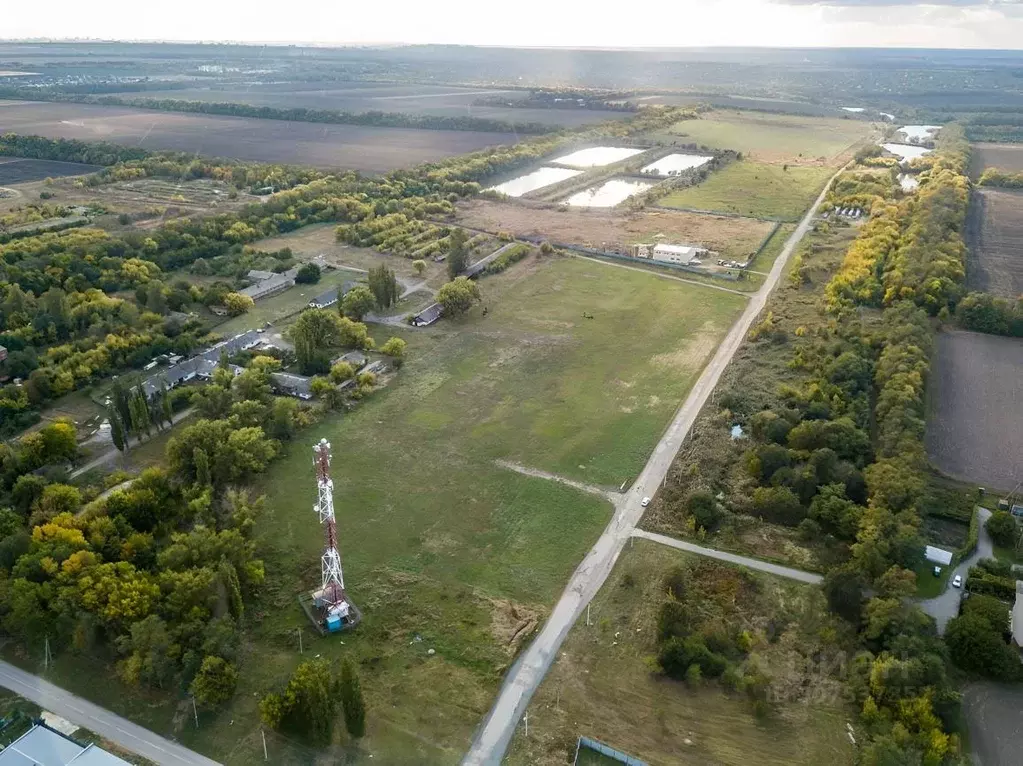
<point x="890" y="3"/>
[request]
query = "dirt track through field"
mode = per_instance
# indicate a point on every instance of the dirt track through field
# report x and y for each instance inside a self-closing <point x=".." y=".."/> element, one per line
<point x="356" y="147"/>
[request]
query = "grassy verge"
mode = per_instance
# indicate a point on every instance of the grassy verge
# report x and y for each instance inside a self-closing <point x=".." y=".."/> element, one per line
<point x="766" y="257"/>
<point x="606" y="685"/>
<point x="755" y="189"/>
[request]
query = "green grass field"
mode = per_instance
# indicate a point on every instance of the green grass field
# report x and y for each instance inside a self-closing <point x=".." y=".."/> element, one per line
<point x="443" y="549"/>
<point x="285" y="304"/>
<point x="756" y="189"/>
<point x="779" y="138"/>
<point x="441" y="543"/>
<point x="605" y="685"/>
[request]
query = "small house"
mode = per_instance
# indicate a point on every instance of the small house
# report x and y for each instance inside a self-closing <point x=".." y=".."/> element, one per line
<point x="427" y="316"/>
<point x="937" y="555"/>
<point x="323" y="300"/>
<point x="293" y="385"/>
<point x="355" y="358"/>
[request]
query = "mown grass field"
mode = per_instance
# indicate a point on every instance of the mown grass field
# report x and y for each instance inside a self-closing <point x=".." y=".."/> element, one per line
<point x="776" y="138"/>
<point x="605" y="686"/>
<point x="454" y="560"/>
<point x="756" y="189"/>
<point x="441" y="543"/>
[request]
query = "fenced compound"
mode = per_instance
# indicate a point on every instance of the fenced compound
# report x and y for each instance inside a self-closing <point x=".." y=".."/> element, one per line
<point x="590" y="752"/>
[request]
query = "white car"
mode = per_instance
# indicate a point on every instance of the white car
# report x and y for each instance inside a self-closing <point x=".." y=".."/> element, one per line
<point x="957" y="581"/>
<point x="645" y="502"/>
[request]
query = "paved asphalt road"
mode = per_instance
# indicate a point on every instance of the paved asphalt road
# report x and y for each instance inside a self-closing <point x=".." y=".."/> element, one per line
<point x="732" y="558"/>
<point x="112" y="727"/>
<point x="946" y="606"/>
<point x="494" y="734"/>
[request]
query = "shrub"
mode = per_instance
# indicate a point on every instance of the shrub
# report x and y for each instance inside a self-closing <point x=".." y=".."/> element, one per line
<point x="777" y="504"/>
<point x="308" y="274"/>
<point x="704" y="508"/>
<point x="1002" y="528"/>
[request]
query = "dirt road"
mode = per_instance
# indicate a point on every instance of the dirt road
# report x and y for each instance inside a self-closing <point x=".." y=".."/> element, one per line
<point x="732" y="558"/>
<point x="492" y="737"/>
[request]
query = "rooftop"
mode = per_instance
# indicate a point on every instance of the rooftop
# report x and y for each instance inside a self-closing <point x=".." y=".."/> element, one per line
<point x="41" y="746"/>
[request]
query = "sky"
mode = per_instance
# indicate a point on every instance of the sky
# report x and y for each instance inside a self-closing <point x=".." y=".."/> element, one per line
<point x="569" y="23"/>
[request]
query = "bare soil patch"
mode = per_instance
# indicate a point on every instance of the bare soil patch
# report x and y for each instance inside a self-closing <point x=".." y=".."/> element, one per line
<point x="1005" y="156"/>
<point x="975" y="419"/>
<point x="17" y="171"/>
<point x="733" y="237"/>
<point x="995" y="234"/>
<point x="994" y="714"/>
<point x="369" y="149"/>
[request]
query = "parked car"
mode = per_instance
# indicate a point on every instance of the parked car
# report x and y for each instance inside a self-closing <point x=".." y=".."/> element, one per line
<point x="957" y="581"/>
<point x="645" y="502"/>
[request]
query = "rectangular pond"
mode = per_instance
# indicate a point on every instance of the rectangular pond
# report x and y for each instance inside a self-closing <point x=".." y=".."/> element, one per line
<point x="906" y="152"/>
<point x="608" y="194"/>
<point x="919" y="132"/>
<point x="596" y="156"/>
<point x="676" y="163"/>
<point x="533" y="181"/>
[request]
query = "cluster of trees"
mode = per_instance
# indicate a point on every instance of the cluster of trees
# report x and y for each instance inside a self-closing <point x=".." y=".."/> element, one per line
<point x="458" y="296"/>
<point x="698" y="638"/>
<point x="565" y="98"/>
<point x="372" y="118"/>
<point x="913" y="249"/>
<point x="155" y="573"/>
<point x="318" y="332"/>
<point x="841" y="455"/>
<point x="310" y="703"/>
<point x="982" y="312"/>
<point x="1001" y="178"/>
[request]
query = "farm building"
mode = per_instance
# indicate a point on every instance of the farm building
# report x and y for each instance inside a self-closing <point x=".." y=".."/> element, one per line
<point x="682" y="254"/>
<point x="323" y="300"/>
<point x="355" y="358"/>
<point x="937" y="555"/>
<point x="292" y="385"/>
<point x="427" y="316"/>
<point x="256" y="275"/>
<point x="203" y="365"/>
<point x="331" y="296"/>
<point x="42" y="746"/>
<point x="278" y="283"/>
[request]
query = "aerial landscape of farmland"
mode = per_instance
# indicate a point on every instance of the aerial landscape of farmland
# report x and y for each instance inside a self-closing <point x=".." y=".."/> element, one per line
<point x="425" y="404"/>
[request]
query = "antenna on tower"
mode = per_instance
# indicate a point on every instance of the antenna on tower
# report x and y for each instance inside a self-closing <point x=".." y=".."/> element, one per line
<point x="336" y="612"/>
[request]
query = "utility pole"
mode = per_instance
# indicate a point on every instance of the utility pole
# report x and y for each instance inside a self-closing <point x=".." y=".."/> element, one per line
<point x="263" y="735"/>
<point x="587" y="615"/>
<point x="195" y="712"/>
<point x="299" y="630"/>
<point x="46" y="654"/>
<point x="526" y="719"/>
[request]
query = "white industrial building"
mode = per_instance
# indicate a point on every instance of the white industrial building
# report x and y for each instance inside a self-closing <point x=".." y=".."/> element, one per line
<point x="681" y="254"/>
